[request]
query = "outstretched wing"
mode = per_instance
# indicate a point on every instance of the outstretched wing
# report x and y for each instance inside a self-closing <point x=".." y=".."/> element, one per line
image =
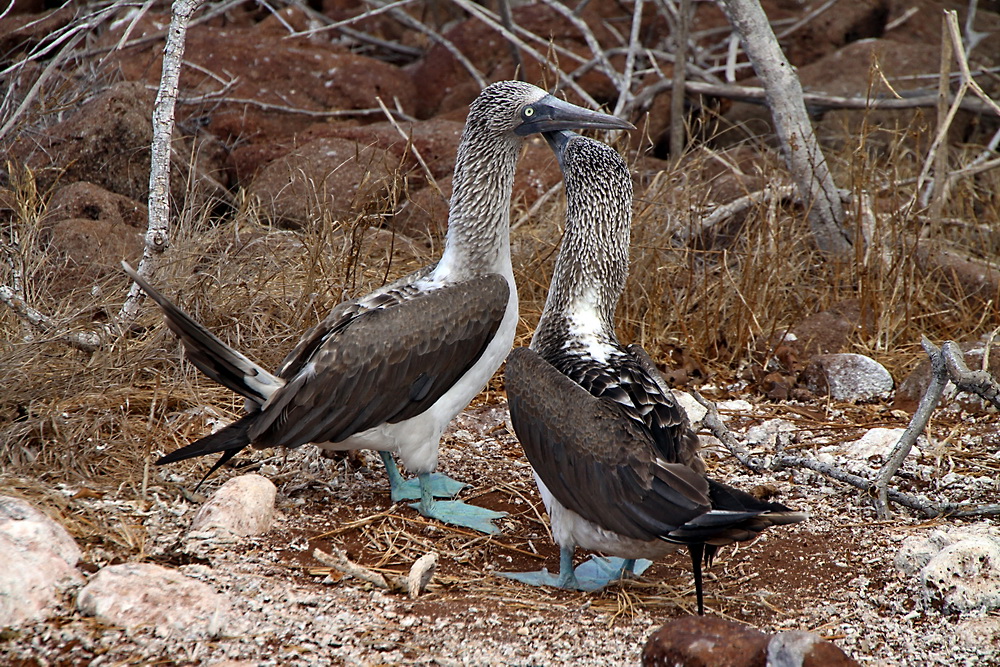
<point x="381" y="363"/>
<point x="596" y="459"/>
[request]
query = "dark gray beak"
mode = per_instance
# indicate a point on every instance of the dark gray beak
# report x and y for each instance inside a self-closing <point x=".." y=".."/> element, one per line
<point x="550" y="114"/>
<point x="557" y="141"/>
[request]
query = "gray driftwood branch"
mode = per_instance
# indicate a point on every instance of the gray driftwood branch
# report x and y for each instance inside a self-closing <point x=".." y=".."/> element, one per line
<point x="798" y="141"/>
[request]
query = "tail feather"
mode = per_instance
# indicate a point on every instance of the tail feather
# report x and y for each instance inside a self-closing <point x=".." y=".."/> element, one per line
<point x="231" y="440"/>
<point x="208" y="353"/>
<point x="735" y="516"/>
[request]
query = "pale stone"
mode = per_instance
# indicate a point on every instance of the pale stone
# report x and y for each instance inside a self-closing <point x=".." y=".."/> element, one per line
<point x="38" y="557"/>
<point x="32" y="530"/>
<point x="876" y="442"/>
<point x="242" y="507"/>
<point x="695" y="410"/>
<point x="847" y="377"/>
<point x="917" y="551"/>
<point x="142" y="594"/>
<point x="421" y="574"/>
<point x="964" y="576"/>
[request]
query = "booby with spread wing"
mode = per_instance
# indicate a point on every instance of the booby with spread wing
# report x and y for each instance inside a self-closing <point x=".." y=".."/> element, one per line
<point x="616" y="462"/>
<point x="388" y="371"/>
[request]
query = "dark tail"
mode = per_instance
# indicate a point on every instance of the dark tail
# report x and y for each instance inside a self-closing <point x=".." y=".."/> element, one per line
<point x="212" y="357"/>
<point x="735" y="516"/>
<point x="230" y="440"/>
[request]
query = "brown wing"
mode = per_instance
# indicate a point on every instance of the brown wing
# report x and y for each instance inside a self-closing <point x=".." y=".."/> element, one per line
<point x="383" y="365"/>
<point x="594" y="459"/>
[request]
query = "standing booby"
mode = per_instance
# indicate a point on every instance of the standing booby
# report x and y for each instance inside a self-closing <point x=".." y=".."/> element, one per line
<point x="616" y="462"/>
<point x="388" y="371"/>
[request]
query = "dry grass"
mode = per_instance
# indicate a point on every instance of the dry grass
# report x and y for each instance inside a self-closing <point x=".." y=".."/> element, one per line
<point x="720" y="300"/>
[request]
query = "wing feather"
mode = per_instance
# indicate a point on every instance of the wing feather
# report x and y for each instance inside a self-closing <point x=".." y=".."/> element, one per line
<point x="585" y="447"/>
<point x="372" y="366"/>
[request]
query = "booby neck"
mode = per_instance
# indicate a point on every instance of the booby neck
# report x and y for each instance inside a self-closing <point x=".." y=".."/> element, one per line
<point x="592" y="265"/>
<point x="478" y="239"/>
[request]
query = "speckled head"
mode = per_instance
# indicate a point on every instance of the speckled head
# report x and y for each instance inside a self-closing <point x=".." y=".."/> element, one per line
<point x="521" y="108"/>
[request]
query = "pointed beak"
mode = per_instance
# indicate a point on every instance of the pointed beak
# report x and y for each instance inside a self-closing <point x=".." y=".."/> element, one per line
<point x="550" y="114"/>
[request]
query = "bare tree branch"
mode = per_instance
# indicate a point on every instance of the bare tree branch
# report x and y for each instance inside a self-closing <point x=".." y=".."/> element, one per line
<point x="798" y="141"/>
<point x="158" y="232"/>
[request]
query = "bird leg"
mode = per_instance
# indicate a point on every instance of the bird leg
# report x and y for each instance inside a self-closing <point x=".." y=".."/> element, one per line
<point x="566" y="578"/>
<point x="454" y="512"/>
<point x="697" y="553"/>
<point x="441" y="486"/>
<point x="599" y="571"/>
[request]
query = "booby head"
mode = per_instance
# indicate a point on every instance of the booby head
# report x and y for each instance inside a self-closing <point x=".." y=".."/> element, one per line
<point x="524" y="109"/>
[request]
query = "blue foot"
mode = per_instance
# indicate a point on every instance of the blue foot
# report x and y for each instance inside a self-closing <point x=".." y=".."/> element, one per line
<point x="457" y="513"/>
<point x="566" y="579"/>
<point x="592" y="575"/>
<point x="542" y="578"/>
<point x="598" y="572"/>
<point x="441" y="486"/>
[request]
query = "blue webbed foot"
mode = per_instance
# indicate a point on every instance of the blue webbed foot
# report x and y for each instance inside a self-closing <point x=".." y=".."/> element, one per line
<point x="441" y="486"/>
<point x="457" y="513"/>
<point x="592" y="575"/>
<point x="599" y="571"/>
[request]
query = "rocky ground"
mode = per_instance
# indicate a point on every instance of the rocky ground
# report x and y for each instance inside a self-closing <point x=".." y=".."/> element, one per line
<point x="843" y="574"/>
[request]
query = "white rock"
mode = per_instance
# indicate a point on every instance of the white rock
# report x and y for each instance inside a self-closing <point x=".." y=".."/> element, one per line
<point x="32" y="530"/>
<point x="695" y="410"/>
<point x="241" y="507"/>
<point x="421" y="574"/>
<point x="876" y="442"/>
<point x="980" y="632"/>
<point x="38" y="557"/>
<point x="142" y="594"/>
<point x="964" y="576"/>
<point x="766" y="433"/>
<point x="847" y="377"/>
<point x="735" y="405"/>
<point x="917" y="551"/>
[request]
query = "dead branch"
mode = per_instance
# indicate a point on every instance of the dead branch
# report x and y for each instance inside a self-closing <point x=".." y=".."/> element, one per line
<point x="677" y="129"/>
<point x="780" y="461"/>
<point x="798" y="141"/>
<point x="420" y="575"/>
<point x="158" y="232"/>
<point x="918" y="423"/>
<point x="815" y="101"/>
<point x="87" y="341"/>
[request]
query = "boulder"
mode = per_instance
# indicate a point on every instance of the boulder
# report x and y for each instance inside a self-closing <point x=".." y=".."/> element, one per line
<point x="846" y="377"/>
<point x="330" y="178"/>
<point x="242" y="507"/>
<point x="38" y="557"/>
<point x="704" y="641"/>
<point x="146" y="595"/>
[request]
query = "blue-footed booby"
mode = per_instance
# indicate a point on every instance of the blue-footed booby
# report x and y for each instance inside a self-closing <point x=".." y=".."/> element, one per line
<point x="615" y="459"/>
<point x="388" y="371"/>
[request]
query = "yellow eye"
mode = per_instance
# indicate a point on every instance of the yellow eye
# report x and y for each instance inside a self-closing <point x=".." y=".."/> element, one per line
<point x="529" y="112"/>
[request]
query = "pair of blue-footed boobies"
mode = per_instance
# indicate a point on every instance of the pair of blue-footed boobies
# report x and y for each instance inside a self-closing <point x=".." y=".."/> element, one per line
<point x="615" y="459"/>
<point x="388" y="371"/>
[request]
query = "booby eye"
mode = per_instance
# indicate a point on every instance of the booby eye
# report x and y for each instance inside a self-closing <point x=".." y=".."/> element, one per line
<point x="529" y="112"/>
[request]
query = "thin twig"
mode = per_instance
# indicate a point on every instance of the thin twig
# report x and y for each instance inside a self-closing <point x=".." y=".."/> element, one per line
<point x="928" y="402"/>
